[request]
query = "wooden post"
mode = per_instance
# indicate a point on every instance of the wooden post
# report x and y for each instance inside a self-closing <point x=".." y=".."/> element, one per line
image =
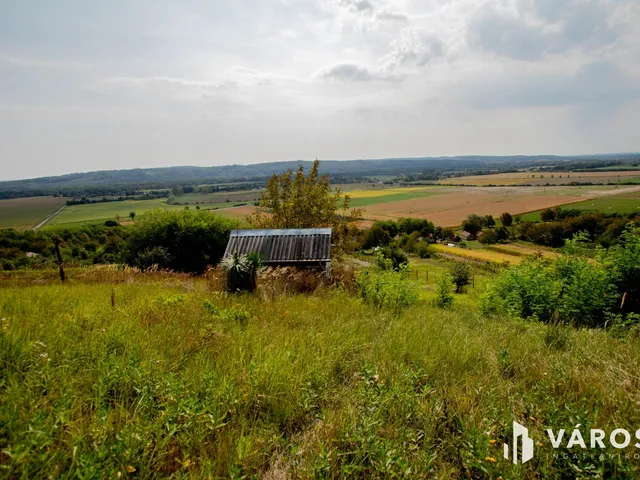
<point x="56" y="242"/>
<point x="427" y="272"/>
<point x="416" y="274"/>
<point x="473" y="280"/>
<point x="113" y="298"/>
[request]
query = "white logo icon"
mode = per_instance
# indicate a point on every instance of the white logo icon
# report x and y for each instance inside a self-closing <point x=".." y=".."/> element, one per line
<point x="526" y="449"/>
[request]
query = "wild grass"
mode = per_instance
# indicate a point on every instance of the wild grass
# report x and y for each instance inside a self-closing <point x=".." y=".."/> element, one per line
<point x="177" y="379"/>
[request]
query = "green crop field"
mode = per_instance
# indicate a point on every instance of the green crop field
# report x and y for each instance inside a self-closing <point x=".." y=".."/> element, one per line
<point x="624" y="203"/>
<point x="364" y="198"/>
<point x="100" y="212"/>
<point x="25" y="213"/>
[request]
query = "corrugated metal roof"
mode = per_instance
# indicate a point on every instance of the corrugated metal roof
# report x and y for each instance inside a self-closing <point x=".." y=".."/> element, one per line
<point x="279" y="246"/>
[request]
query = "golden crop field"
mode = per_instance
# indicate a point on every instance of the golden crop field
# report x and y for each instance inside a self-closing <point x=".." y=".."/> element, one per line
<point x="478" y="255"/>
<point x="542" y="178"/>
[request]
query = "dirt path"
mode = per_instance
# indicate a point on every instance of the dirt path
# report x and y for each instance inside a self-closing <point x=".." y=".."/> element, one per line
<point x="49" y="218"/>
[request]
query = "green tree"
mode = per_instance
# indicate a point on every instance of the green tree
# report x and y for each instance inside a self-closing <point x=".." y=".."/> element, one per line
<point x="473" y="224"/>
<point x="376" y="236"/>
<point x="132" y="215"/>
<point x="489" y="221"/>
<point x="506" y="219"/>
<point x="460" y="275"/>
<point x="177" y="191"/>
<point x="292" y="200"/>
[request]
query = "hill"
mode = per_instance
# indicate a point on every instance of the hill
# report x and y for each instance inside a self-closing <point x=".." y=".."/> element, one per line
<point x="169" y="176"/>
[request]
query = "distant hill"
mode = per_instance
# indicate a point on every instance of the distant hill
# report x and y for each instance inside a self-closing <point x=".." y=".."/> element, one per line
<point x="168" y="176"/>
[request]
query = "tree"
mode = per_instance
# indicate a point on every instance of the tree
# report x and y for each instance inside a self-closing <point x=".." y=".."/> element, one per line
<point x="489" y="221"/>
<point x="473" y="224"/>
<point x="177" y="191"/>
<point x="292" y="200"/>
<point x="132" y="215"/>
<point x="460" y="275"/>
<point x="376" y="237"/>
<point x="548" y="215"/>
<point x="506" y="219"/>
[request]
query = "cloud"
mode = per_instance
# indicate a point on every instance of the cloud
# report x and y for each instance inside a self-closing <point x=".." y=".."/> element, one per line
<point x="599" y="85"/>
<point x="416" y="47"/>
<point x="349" y="72"/>
<point x="535" y="29"/>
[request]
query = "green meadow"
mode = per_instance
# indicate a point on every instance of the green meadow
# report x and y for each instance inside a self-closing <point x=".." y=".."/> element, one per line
<point x="119" y="374"/>
<point x="625" y="203"/>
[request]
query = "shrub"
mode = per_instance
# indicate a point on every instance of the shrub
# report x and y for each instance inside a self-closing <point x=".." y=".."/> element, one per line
<point x="388" y="289"/>
<point x="423" y="250"/>
<point x="391" y="258"/>
<point x="242" y="271"/>
<point x="444" y="297"/>
<point x="183" y="241"/>
<point x="460" y="275"/>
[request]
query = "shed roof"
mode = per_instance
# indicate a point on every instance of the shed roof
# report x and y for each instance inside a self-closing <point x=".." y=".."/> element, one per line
<point x="283" y="246"/>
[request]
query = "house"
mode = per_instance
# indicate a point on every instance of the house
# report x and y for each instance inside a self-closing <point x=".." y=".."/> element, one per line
<point x="305" y="248"/>
<point x="466" y="236"/>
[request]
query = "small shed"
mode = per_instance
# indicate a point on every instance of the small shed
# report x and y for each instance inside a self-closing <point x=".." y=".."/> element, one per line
<point x="466" y="235"/>
<point x="306" y="247"/>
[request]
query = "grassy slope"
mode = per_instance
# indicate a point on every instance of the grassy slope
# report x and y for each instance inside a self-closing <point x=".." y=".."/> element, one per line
<point x="315" y="385"/>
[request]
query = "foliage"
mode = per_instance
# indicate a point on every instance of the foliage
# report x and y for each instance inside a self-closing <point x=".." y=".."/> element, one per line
<point x="180" y="240"/>
<point x="376" y="236"/>
<point x="391" y="258"/>
<point x="572" y="289"/>
<point x="424" y="250"/>
<point x="473" y="224"/>
<point x="506" y="219"/>
<point x="239" y="274"/>
<point x="496" y="235"/>
<point x="87" y="245"/>
<point x="602" y="229"/>
<point x="295" y="201"/>
<point x="444" y="297"/>
<point x="388" y="289"/>
<point x="460" y="275"/>
<point x="489" y="221"/>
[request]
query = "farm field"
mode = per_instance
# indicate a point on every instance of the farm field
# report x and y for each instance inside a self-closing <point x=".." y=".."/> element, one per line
<point x="619" y="203"/>
<point x="478" y="255"/>
<point x="25" y="213"/>
<point x="543" y="178"/>
<point x="450" y="207"/>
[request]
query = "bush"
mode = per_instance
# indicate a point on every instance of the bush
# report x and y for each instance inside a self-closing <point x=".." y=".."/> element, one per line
<point x="444" y="297"/>
<point x="183" y="241"/>
<point x="423" y="250"/>
<point x="242" y="271"/>
<point x="391" y="258"/>
<point x="388" y="289"/>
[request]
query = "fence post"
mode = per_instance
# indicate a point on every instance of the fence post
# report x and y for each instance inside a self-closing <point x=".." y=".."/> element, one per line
<point x="56" y="242"/>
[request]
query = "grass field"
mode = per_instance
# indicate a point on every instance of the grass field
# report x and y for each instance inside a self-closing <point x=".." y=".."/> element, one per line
<point x="315" y="386"/>
<point x="623" y="203"/>
<point x="25" y="213"/>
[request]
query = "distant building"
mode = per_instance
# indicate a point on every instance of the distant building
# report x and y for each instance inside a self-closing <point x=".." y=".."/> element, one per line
<point x="305" y="248"/>
<point x="466" y="236"/>
<point x="31" y="254"/>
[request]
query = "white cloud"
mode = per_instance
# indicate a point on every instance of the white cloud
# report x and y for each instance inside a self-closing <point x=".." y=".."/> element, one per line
<point x="203" y="82"/>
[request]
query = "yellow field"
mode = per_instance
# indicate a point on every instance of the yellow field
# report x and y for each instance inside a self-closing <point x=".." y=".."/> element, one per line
<point x="478" y="255"/>
<point x="384" y="192"/>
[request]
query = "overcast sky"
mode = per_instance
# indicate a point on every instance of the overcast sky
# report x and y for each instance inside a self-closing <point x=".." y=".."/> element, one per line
<point x="91" y="85"/>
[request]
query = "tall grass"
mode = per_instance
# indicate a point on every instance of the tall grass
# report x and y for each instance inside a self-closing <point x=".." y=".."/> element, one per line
<point x="178" y="380"/>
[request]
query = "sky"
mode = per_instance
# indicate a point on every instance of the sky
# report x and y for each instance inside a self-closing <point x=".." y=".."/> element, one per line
<point x="88" y="85"/>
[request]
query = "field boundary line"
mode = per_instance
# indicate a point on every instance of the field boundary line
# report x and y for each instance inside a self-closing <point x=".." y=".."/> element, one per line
<point x="49" y="218"/>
